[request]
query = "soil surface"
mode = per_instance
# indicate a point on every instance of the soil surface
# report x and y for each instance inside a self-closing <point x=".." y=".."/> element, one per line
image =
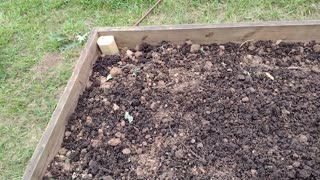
<point x="230" y="111"/>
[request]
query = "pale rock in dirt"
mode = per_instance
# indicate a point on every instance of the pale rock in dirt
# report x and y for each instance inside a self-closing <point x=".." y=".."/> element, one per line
<point x="316" y="48"/>
<point x="62" y="151"/>
<point x="89" y="121"/>
<point x="115" y="71"/>
<point x="208" y="65"/>
<point x="66" y="167"/>
<point x="315" y="69"/>
<point x="179" y="153"/>
<point x="302" y="138"/>
<point x="126" y="151"/>
<point x="114" y="141"/>
<point x="122" y="123"/>
<point x="115" y="107"/>
<point x="67" y="133"/>
<point x="245" y="99"/>
<point x="138" y="54"/>
<point x="194" y="48"/>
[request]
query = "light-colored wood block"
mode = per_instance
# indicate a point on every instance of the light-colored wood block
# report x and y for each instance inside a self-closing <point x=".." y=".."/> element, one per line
<point x="108" y="45"/>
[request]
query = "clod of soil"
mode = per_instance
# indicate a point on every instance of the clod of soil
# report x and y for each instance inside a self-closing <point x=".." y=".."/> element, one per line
<point x="115" y="71"/>
<point x="198" y="112"/>
<point x="114" y="141"/>
<point x="126" y="151"/>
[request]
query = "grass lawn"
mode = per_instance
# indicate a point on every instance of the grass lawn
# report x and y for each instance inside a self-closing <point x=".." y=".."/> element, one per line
<point x="40" y="42"/>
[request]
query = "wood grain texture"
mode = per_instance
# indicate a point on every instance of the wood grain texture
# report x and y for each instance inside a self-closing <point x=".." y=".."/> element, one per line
<point x="52" y="138"/>
<point x="215" y="33"/>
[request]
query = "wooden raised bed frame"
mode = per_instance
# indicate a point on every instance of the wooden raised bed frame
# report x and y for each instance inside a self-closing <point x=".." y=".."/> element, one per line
<point x="129" y="37"/>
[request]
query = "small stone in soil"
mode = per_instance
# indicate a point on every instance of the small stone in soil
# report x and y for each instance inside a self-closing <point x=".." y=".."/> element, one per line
<point x="119" y="135"/>
<point x="245" y="99"/>
<point x="144" y="143"/>
<point x="114" y="141"/>
<point x="89" y="121"/>
<point x="68" y="154"/>
<point x="193" y="141"/>
<point x="63" y="151"/>
<point x="316" y="48"/>
<point x="126" y="151"/>
<point x="129" y="53"/>
<point x="87" y="176"/>
<point x="254" y="172"/>
<point x="315" y="69"/>
<point x="62" y="157"/>
<point x="208" y="65"/>
<point x="199" y="145"/>
<point x="179" y="153"/>
<point x="295" y="155"/>
<point x="194" y="48"/>
<point x="144" y="130"/>
<point x="147" y="136"/>
<point x="66" y="167"/>
<point x="222" y="47"/>
<point x="155" y="55"/>
<point x="122" y="123"/>
<point x="138" y="54"/>
<point x="67" y="133"/>
<point x="153" y="105"/>
<point x="252" y="90"/>
<point x="115" y="71"/>
<point x="241" y="77"/>
<point x="205" y="122"/>
<point x="296" y="164"/>
<point x="232" y="90"/>
<point x="161" y="83"/>
<point x="95" y="143"/>
<point x="139" y="151"/>
<point x="115" y="107"/>
<point x="84" y="151"/>
<point x="303" y="138"/>
<point x="251" y="48"/>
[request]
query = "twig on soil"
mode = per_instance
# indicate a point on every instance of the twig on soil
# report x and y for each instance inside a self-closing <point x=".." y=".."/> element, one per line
<point x="128" y="177"/>
<point x="201" y="159"/>
<point x="156" y="171"/>
<point x="297" y="68"/>
<point x="171" y="130"/>
<point x="245" y="43"/>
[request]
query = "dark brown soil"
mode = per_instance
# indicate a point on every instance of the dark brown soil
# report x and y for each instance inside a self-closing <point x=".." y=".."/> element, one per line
<point x="220" y="112"/>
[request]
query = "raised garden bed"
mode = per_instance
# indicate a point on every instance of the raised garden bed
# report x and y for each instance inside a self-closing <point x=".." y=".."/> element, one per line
<point x="238" y="110"/>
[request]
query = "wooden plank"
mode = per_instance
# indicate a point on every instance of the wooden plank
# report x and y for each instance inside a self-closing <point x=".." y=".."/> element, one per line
<point x="53" y="135"/>
<point x="215" y="33"/>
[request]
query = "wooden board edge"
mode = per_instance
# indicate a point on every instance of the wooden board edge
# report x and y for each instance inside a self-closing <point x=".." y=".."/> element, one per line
<point x="287" y="31"/>
<point x="52" y="137"/>
<point x="205" y="26"/>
